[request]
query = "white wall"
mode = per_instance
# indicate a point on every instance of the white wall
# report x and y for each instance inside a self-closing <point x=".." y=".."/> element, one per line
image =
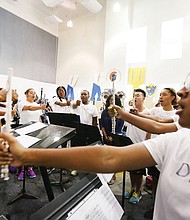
<point x="78" y="53"/>
<point x="81" y="50"/>
<point x="97" y="43"/>
<point x="152" y="13"/>
<point x="22" y="84"/>
<point x="94" y="46"/>
<point x="116" y="30"/>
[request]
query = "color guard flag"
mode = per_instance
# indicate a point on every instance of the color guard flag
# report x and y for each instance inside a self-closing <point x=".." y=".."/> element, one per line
<point x="96" y="92"/>
<point x="70" y="92"/>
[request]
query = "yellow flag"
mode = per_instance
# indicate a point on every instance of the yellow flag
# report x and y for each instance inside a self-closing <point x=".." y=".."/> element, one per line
<point x="136" y="76"/>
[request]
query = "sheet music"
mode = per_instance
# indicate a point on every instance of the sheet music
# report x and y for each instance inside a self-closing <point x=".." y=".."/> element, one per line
<point x="30" y="128"/>
<point x="101" y="205"/>
<point x="105" y="177"/>
<point x="27" y="140"/>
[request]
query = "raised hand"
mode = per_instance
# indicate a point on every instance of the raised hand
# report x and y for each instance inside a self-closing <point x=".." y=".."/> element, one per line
<point x="16" y="150"/>
<point x="114" y="110"/>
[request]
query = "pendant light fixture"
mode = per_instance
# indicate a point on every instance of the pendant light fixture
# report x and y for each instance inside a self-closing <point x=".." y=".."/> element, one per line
<point x="70" y="23"/>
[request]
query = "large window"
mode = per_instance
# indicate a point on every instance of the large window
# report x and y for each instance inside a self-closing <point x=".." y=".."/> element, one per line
<point x="171" y="39"/>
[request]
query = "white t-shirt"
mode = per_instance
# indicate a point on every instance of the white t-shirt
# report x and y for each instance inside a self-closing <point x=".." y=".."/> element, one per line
<point x="27" y="115"/>
<point x="160" y="112"/>
<point x="171" y="152"/>
<point x="60" y="109"/>
<point x="86" y="113"/>
<point x="136" y="134"/>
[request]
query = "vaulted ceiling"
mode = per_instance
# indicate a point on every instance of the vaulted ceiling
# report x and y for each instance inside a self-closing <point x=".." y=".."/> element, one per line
<point x="65" y="9"/>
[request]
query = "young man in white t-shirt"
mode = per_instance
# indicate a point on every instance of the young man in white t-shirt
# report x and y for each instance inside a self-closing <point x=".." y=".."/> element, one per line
<point x="88" y="113"/>
<point x="136" y="135"/>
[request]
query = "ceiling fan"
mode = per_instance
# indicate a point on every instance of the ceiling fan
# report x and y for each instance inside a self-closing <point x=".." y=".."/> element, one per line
<point x="92" y="5"/>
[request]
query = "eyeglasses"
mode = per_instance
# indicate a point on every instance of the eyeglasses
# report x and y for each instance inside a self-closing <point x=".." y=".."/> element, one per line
<point x="187" y="82"/>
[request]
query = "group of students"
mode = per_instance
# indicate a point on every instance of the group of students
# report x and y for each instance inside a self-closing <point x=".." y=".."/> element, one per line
<point x="33" y="109"/>
<point x="138" y="133"/>
<point x="170" y="153"/>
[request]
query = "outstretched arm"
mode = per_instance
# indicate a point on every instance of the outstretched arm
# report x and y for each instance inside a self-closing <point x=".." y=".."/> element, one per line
<point x="3" y="94"/>
<point x="104" y="159"/>
<point x="145" y="124"/>
<point x="152" y="117"/>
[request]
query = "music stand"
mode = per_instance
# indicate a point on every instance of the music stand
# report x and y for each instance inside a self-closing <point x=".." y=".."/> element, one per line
<point x="63" y="119"/>
<point x="23" y="193"/>
<point x="121" y="141"/>
<point x="86" y="135"/>
<point x="50" y="136"/>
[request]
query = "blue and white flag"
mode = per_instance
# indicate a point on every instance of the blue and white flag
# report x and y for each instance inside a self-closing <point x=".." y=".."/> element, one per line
<point x="70" y="92"/>
<point x="96" y="93"/>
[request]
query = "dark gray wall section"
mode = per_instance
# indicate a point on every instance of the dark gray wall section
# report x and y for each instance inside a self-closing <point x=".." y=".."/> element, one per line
<point x="29" y="50"/>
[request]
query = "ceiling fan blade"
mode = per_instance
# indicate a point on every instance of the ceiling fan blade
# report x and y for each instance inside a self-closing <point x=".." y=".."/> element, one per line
<point x="69" y="4"/>
<point x="52" y="3"/>
<point x="92" y="5"/>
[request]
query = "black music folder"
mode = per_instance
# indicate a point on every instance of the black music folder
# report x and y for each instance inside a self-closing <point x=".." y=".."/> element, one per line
<point x="86" y="135"/>
<point x="64" y="119"/>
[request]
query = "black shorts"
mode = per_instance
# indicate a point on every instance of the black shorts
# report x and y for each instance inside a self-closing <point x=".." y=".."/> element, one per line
<point x="139" y="172"/>
<point x="153" y="171"/>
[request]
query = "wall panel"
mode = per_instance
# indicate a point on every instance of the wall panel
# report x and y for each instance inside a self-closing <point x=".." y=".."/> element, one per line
<point x="29" y="50"/>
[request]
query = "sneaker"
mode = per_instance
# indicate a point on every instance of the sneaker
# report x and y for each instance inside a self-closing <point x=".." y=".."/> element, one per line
<point x="129" y="193"/>
<point x="136" y="197"/>
<point x="21" y="175"/>
<point x="31" y="173"/>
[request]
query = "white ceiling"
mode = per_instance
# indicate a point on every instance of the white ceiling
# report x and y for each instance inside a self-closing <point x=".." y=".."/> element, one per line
<point x="63" y="12"/>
